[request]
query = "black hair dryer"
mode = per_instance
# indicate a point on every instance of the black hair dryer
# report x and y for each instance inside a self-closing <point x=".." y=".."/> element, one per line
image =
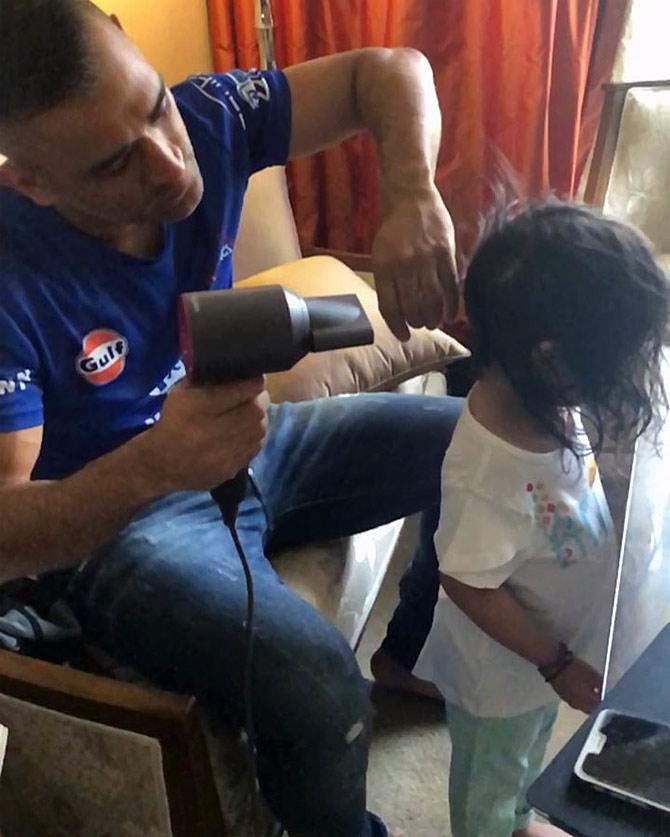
<point x="243" y="333"/>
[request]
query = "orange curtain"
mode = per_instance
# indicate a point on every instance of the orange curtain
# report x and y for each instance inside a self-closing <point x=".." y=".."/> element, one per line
<point x="517" y="81"/>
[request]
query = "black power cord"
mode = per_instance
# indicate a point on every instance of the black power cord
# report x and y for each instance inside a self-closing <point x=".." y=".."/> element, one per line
<point x="229" y="516"/>
<point x="228" y="498"/>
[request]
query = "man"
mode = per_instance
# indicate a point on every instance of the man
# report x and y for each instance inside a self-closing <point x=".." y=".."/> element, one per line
<point x="118" y="194"/>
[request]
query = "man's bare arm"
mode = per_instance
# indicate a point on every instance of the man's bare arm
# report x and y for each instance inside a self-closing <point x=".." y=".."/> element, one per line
<point x="50" y="525"/>
<point x="204" y="437"/>
<point x="389" y="92"/>
<point x="374" y="89"/>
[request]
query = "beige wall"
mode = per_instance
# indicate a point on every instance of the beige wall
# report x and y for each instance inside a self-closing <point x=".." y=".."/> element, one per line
<point x="172" y="34"/>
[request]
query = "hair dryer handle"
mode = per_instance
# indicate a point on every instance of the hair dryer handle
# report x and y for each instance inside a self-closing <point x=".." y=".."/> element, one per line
<point x="229" y="495"/>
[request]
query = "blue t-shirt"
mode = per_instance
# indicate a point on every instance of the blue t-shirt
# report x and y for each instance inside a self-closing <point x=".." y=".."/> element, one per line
<point x="88" y="337"/>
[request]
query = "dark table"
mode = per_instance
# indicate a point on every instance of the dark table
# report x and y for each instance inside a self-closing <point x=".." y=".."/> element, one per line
<point x="581" y="810"/>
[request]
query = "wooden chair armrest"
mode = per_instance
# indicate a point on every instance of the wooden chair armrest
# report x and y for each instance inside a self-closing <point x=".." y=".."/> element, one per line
<point x="356" y="261"/>
<point x="90" y="696"/>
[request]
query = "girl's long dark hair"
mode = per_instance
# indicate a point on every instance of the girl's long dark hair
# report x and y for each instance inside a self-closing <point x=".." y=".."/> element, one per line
<point x="560" y="275"/>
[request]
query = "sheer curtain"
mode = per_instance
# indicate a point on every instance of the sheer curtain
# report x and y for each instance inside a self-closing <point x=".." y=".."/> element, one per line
<point x="644" y="54"/>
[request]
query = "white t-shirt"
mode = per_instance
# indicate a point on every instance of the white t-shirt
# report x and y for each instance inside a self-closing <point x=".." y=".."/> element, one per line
<point x="539" y="524"/>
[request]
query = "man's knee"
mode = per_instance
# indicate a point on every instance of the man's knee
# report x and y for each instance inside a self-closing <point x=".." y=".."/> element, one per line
<point x="325" y="694"/>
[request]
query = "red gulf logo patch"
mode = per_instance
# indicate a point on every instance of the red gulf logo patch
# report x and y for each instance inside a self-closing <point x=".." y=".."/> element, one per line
<point x="103" y="356"/>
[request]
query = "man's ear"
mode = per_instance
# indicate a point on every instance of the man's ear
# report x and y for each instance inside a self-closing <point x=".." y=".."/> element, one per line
<point x="14" y="177"/>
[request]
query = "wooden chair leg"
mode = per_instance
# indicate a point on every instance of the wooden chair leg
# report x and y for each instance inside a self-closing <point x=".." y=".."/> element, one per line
<point x="194" y="804"/>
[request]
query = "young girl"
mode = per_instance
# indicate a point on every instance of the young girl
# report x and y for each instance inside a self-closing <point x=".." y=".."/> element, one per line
<point x="568" y="312"/>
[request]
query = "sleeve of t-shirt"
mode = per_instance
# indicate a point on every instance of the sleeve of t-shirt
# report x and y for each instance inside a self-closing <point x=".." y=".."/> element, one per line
<point x="479" y="542"/>
<point x="20" y="387"/>
<point x="259" y="105"/>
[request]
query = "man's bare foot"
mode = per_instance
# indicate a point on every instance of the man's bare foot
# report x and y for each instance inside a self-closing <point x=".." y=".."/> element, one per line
<point x="540" y="829"/>
<point x="391" y="675"/>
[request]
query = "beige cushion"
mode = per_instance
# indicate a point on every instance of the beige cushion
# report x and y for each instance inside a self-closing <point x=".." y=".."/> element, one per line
<point x="379" y="367"/>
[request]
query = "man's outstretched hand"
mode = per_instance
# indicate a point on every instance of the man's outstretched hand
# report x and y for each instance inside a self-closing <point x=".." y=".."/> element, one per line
<point x="414" y="264"/>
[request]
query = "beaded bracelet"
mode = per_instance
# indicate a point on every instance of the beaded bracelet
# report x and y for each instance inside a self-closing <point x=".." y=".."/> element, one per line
<point x="563" y="658"/>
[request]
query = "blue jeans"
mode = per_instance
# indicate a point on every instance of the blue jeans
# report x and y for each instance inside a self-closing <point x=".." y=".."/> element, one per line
<point x="168" y="596"/>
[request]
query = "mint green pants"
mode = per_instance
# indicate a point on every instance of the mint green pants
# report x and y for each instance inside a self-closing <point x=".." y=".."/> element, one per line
<point x="493" y="763"/>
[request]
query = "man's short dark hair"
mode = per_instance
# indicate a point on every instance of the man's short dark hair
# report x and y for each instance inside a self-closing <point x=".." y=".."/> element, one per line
<point x="43" y="55"/>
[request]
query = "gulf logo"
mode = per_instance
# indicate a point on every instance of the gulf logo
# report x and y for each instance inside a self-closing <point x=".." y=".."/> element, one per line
<point x="103" y="356"/>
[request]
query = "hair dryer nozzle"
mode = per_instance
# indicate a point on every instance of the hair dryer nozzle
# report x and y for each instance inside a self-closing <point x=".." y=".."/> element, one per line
<point x="243" y="333"/>
<point x="337" y="322"/>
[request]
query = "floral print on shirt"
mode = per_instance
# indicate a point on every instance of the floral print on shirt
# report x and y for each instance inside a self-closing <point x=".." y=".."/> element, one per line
<point x="566" y="529"/>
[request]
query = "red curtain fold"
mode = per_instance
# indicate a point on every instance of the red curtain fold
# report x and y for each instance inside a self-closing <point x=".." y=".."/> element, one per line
<point x="517" y="81"/>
